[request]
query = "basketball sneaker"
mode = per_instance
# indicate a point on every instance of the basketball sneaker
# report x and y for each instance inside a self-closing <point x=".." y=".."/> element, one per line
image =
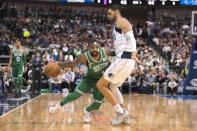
<point x="126" y="119"/>
<point x="119" y="118"/>
<point x="53" y="109"/>
<point x="86" y="117"/>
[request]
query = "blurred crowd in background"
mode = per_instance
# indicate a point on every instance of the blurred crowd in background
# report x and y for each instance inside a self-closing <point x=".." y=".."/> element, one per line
<point x="61" y="34"/>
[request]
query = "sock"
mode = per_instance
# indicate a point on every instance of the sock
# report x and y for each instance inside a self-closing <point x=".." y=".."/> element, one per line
<point x="71" y="97"/>
<point x="119" y="109"/>
<point x="57" y="106"/>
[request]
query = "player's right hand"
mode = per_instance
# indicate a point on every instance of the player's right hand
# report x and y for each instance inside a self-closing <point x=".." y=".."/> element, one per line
<point x="59" y="63"/>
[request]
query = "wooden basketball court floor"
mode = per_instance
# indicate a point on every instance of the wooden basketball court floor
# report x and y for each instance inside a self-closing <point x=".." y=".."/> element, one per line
<point x="148" y="113"/>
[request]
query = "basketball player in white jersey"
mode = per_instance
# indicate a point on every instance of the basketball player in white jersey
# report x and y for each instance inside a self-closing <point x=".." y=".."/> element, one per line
<point x="122" y="66"/>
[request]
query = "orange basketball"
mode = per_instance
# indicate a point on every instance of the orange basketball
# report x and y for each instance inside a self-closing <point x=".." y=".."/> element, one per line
<point x="52" y="69"/>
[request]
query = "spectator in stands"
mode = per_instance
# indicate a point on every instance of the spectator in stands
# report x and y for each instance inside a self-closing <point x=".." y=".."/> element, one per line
<point x="172" y="86"/>
<point x="67" y="38"/>
<point x="161" y="78"/>
<point x="70" y="77"/>
<point x="2" y="88"/>
<point x="61" y="56"/>
<point x="37" y="65"/>
<point x="58" y="83"/>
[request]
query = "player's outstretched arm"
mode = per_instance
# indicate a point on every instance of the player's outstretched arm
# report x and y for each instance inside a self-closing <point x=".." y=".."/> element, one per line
<point x="81" y="59"/>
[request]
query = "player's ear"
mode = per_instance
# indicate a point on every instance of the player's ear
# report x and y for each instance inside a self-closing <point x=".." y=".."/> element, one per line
<point x="117" y="11"/>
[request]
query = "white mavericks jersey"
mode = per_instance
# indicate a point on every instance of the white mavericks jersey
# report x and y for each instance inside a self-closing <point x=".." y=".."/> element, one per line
<point x="121" y="43"/>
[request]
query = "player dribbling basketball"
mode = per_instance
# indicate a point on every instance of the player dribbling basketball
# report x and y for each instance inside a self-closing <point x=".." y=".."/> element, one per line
<point x="97" y="61"/>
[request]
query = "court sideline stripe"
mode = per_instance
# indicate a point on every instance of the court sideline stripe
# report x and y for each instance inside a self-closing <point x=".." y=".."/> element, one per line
<point x="21" y="105"/>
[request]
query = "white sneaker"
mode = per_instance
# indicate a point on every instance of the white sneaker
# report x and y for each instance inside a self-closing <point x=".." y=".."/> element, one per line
<point x="86" y="117"/>
<point x="53" y="109"/>
<point x="118" y="119"/>
<point x="126" y="119"/>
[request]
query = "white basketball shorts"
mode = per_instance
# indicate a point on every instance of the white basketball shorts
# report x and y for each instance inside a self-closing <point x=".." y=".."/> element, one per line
<point x="119" y="70"/>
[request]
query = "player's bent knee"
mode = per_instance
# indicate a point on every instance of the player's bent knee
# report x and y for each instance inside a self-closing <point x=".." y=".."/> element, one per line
<point x="102" y="83"/>
<point x="98" y="84"/>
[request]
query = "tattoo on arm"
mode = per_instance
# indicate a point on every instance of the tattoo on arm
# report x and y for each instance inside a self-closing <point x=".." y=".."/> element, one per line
<point x="67" y="64"/>
<point x="79" y="60"/>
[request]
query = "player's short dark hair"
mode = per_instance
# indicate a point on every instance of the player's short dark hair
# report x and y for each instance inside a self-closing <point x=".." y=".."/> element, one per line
<point x="92" y="41"/>
<point x="116" y="7"/>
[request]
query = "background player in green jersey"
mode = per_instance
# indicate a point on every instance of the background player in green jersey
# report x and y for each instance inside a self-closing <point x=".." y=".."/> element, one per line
<point x="97" y="61"/>
<point x="18" y="64"/>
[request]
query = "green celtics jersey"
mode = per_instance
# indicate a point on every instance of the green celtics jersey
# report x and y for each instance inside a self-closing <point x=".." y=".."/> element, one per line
<point x="96" y="68"/>
<point x="18" y="57"/>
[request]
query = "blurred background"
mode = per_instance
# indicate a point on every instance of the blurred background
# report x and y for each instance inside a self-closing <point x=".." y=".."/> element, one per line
<point x="58" y="30"/>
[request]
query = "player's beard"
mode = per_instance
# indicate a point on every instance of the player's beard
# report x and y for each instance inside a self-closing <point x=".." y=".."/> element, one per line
<point x="94" y="53"/>
<point x="112" y="19"/>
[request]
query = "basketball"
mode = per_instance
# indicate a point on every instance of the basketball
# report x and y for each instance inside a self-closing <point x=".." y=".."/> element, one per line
<point x="52" y="69"/>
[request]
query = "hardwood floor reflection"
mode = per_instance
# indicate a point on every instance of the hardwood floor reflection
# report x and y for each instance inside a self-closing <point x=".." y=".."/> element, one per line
<point x="148" y="113"/>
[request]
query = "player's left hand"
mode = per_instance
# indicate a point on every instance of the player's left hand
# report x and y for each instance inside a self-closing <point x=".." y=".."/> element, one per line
<point x="60" y="64"/>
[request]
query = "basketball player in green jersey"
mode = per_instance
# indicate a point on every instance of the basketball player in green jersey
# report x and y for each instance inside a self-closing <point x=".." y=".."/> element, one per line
<point x="18" y="64"/>
<point x="97" y="61"/>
